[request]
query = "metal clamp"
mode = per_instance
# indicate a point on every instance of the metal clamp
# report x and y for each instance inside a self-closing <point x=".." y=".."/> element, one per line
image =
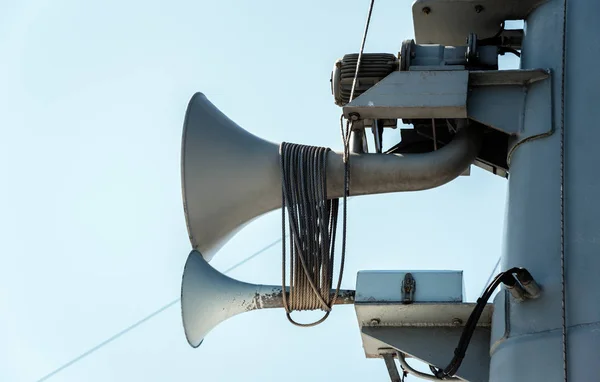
<point x="408" y="289"/>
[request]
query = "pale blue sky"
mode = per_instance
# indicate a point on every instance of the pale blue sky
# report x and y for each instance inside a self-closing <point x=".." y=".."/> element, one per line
<point x="92" y="102"/>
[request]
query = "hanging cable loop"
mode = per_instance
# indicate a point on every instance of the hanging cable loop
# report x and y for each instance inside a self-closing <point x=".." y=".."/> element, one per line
<point x="312" y="222"/>
<point x="312" y="218"/>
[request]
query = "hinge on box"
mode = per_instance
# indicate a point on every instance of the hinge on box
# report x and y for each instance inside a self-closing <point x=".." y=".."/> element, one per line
<point x="408" y="289"/>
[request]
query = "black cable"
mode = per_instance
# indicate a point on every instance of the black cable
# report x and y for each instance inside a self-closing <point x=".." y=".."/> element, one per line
<point x="312" y="219"/>
<point x="502" y="26"/>
<point x="494" y="40"/>
<point x="498" y="41"/>
<point x="362" y="48"/>
<point x="506" y="277"/>
<point x="506" y="49"/>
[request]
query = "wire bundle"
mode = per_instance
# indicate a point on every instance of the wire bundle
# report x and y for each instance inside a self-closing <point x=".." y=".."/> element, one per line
<point x="312" y="221"/>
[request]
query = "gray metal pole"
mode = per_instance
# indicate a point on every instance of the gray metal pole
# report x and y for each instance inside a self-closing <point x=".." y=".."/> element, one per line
<point x="527" y="340"/>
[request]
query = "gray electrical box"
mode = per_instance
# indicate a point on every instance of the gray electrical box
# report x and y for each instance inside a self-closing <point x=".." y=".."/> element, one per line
<point x="430" y="286"/>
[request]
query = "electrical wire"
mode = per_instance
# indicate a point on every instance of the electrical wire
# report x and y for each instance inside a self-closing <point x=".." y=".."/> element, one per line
<point x="494" y="40"/>
<point x="506" y="49"/>
<point x="362" y="48"/>
<point x="313" y="225"/>
<point x="145" y="319"/>
<point x="346" y="134"/>
<point x="410" y="370"/>
<point x="498" y="41"/>
<point x="491" y="274"/>
<point x="107" y="341"/>
<point x="509" y="277"/>
<point x="346" y="143"/>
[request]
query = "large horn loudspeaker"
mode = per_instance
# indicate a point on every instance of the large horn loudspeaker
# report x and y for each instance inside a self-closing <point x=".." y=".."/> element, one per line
<point x="230" y="177"/>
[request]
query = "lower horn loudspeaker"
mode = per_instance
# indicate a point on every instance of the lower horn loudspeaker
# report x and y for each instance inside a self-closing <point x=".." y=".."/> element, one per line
<point x="230" y="177"/>
<point x="209" y="297"/>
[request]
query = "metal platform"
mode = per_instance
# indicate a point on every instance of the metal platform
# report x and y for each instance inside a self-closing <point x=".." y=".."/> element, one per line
<point x="424" y="322"/>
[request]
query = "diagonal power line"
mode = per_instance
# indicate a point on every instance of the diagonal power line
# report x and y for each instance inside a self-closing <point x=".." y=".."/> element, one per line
<point x="107" y="341"/>
<point x="143" y="320"/>
<point x="491" y="274"/>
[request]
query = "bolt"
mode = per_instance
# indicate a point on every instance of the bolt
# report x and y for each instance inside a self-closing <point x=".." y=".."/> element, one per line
<point x="354" y="116"/>
<point x="375" y="322"/>
<point x="479" y="8"/>
<point x="457" y="322"/>
<point x="426" y="10"/>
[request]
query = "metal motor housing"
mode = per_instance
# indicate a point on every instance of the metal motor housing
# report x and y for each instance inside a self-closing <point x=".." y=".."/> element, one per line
<point x="373" y="68"/>
<point x="376" y="66"/>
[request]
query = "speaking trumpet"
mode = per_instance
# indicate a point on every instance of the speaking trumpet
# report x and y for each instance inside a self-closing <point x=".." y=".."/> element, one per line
<point x="230" y="177"/>
<point x="209" y="297"/>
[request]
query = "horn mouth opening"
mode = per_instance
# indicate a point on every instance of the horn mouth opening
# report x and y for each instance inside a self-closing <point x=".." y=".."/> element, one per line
<point x="184" y="143"/>
<point x="194" y="333"/>
<point x="208" y="297"/>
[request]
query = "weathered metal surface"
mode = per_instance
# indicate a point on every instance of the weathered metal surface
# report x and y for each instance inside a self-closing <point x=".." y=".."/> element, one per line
<point x="414" y="94"/>
<point x="390" y="364"/>
<point x="495" y="98"/>
<point x="429" y="327"/>
<point x="543" y="223"/>
<point x="269" y="297"/>
<point x="431" y="286"/>
<point x="419" y="314"/>
<point x="439" y="57"/>
<point x="209" y="297"/>
<point x="498" y="99"/>
<point x="449" y="22"/>
<point x="500" y="320"/>
<point x="538" y="117"/>
<point x="507" y="77"/>
<point x="499" y="107"/>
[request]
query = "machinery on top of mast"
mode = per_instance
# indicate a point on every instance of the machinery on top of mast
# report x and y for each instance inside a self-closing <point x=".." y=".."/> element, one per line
<point x="464" y="111"/>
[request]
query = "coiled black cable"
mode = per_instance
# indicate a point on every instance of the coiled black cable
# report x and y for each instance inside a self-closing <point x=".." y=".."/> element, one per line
<point x="312" y="220"/>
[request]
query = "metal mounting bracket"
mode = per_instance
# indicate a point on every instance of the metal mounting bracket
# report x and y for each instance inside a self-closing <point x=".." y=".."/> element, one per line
<point x="388" y="356"/>
<point x="414" y="94"/>
<point x="498" y="98"/>
<point x="429" y="328"/>
<point x="449" y="22"/>
<point x="494" y="98"/>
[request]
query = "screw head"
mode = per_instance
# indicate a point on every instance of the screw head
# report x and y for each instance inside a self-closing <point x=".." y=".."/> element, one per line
<point x="354" y="116"/>
<point x="457" y="322"/>
<point x="375" y="321"/>
<point x="479" y="8"/>
<point x="426" y="10"/>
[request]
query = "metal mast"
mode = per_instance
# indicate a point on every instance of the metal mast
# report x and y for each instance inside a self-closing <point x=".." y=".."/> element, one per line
<point x="552" y="225"/>
<point x="553" y="212"/>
